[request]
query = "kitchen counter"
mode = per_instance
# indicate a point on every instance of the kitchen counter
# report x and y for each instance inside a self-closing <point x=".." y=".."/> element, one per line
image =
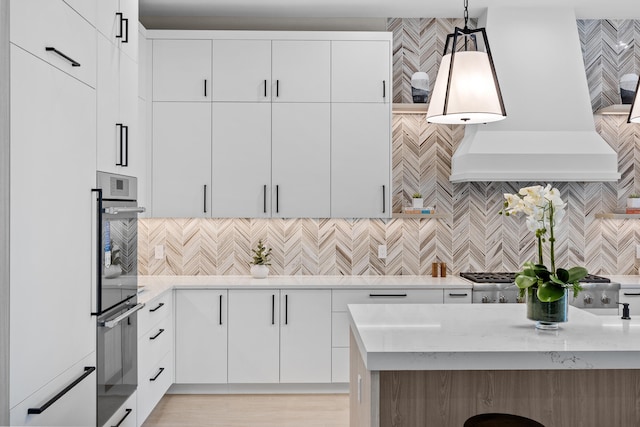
<point x="435" y="365"/>
<point x="631" y="281"/>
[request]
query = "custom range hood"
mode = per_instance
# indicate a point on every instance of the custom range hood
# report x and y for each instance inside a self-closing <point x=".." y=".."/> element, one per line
<point x="549" y="133"/>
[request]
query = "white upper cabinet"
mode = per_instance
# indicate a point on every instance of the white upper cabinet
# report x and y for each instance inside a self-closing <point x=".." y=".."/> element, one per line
<point x="301" y="170"/>
<point x="360" y="71"/>
<point x="181" y="159"/>
<point x="182" y="70"/>
<point x="242" y="70"/>
<point x="241" y="183"/>
<point x="301" y="71"/>
<point x="360" y="161"/>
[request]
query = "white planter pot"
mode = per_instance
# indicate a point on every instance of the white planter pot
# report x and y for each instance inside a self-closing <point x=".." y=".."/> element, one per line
<point x="418" y="203"/>
<point x="259" y="271"/>
<point x="633" y="203"/>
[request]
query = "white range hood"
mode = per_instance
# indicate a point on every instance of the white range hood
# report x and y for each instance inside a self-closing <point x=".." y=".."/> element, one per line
<point x="549" y="133"/>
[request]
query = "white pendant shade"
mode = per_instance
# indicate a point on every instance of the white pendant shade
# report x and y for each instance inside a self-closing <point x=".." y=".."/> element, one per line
<point x="473" y="96"/>
<point x="634" y="115"/>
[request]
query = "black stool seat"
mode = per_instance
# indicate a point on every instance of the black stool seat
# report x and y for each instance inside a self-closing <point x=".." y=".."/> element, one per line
<point x="500" y="420"/>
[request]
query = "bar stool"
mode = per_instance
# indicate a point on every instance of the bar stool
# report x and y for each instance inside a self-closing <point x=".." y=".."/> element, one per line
<point x="500" y="420"/>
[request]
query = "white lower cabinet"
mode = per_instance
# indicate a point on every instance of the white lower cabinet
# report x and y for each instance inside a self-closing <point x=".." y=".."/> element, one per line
<point x="152" y="385"/>
<point x="201" y="336"/>
<point x="253" y="354"/>
<point x="125" y="416"/>
<point x="305" y="336"/>
<point x="76" y="407"/>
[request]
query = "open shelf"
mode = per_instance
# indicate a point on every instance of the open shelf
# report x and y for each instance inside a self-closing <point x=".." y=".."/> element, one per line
<point x="427" y="216"/>
<point x="617" y="215"/>
<point x="399" y="108"/>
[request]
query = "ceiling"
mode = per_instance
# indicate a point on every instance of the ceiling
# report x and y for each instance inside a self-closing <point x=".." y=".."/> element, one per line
<point x="585" y="9"/>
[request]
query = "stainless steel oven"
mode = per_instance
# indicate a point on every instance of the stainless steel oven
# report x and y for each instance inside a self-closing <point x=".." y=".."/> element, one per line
<point x="116" y="291"/>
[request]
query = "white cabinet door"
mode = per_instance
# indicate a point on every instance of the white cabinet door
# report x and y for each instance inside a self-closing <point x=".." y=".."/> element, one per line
<point x="181" y="159"/>
<point x="129" y="40"/>
<point x="108" y="105"/>
<point x="360" y="71"/>
<point x="201" y="336"/>
<point x="253" y="336"/>
<point x="86" y="8"/>
<point x="301" y="160"/>
<point x="131" y="163"/>
<point x="360" y="161"/>
<point x="241" y="182"/>
<point x="125" y="416"/>
<point x="242" y="70"/>
<point x="53" y="146"/>
<point x="305" y="336"/>
<point x="182" y="70"/>
<point x="301" y="71"/>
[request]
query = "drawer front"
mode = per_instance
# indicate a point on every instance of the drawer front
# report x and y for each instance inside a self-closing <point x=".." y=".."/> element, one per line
<point x="457" y="296"/>
<point x="38" y="24"/>
<point x="126" y="415"/>
<point x="342" y="297"/>
<point x="154" y="311"/>
<point x="153" y="345"/>
<point x="631" y="296"/>
<point x="340" y="365"/>
<point x="152" y="385"/>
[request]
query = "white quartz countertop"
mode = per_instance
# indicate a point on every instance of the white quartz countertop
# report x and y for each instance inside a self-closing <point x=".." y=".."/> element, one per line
<point x="154" y="286"/>
<point x="489" y="337"/>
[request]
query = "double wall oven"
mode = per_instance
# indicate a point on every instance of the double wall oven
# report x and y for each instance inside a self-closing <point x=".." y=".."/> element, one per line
<point x="116" y="291"/>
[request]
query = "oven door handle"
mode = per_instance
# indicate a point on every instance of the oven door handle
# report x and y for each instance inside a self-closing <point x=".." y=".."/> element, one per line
<point x="116" y="210"/>
<point x="114" y="322"/>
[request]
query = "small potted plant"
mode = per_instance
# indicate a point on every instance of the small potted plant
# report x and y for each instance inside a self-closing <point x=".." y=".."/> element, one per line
<point x="418" y="202"/>
<point x="260" y="263"/>
<point x="633" y="201"/>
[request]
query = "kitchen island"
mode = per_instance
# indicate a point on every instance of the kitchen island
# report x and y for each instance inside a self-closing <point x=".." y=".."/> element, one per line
<point x="427" y="365"/>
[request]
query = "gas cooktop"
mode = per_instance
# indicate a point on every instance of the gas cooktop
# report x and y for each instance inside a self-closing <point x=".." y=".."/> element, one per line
<point x="507" y="277"/>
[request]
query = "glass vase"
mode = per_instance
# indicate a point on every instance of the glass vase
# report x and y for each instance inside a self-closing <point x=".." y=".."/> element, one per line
<point x="547" y="315"/>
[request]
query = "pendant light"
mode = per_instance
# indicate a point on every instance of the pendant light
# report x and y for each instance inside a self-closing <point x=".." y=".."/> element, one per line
<point x="634" y="114"/>
<point x="466" y="90"/>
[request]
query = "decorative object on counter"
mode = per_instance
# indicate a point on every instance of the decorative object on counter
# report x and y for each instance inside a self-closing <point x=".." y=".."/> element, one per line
<point x="260" y="263"/>
<point x="420" y="87"/>
<point x="625" y="310"/>
<point x="466" y="90"/>
<point x="633" y="204"/>
<point x="634" y="114"/>
<point x="628" y="84"/>
<point x="418" y="201"/>
<point x="546" y="290"/>
<point x="443" y="269"/>
<point x="434" y="269"/>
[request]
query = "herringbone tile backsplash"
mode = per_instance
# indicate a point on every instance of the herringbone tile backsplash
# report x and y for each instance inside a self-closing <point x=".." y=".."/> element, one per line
<point x="473" y="237"/>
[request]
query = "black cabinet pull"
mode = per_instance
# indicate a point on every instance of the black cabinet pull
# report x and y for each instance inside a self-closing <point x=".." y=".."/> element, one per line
<point x="87" y="371"/>
<point x="632" y="294"/>
<point x="384" y="89"/>
<point x="157" y="375"/>
<point x="387" y="295"/>
<point x="158" y="307"/>
<point x="273" y="309"/>
<point x="205" y="87"/>
<point x="277" y="199"/>
<point x="384" y="199"/>
<point x="205" y="198"/>
<point x="73" y="62"/>
<point x="126" y="147"/>
<point x="126" y="32"/>
<point x="157" y="335"/>
<point x="120" y="18"/>
<point x="128" y="411"/>
<point x="286" y="309"/>
<point x="124" y="28"/>
<point x="264" y="198"/>
<point x="458" y="295"/>
<point x="220" y="310"/>
<point x="265" y="88"/>
<point x="277" y="88"/>
<point x="99" y="255"/>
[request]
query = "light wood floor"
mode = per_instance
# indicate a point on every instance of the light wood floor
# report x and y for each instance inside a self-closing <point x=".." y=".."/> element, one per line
<point x="251" y="410"/>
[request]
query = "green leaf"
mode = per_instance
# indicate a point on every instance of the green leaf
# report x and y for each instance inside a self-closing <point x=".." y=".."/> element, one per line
<point x="542" y="272"/>
<point x="524" y="281"/>
<point x="562" y="275"/>
<point x="576" y="273"/>
<point x="548" y="292"/>
<point x="556" y="280"/>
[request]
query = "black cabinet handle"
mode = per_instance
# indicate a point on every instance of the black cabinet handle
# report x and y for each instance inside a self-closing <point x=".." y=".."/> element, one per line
<point x="265" y="88"/>
<point x="205" y="198"/>
<point x="220" y="321"/>
<point x="87" y="371"/>
<point x="387" y="295"/>
<point x="157" y="375"/>
<point x="126" y="145"/>
<point x="286" y="309"/>
<point x="384" y="199"/>
<point x="124" y="28"/>
<point x="264" y="198"/>
<point x="632" y="294"/>
<point x="157" y="335"/>
<point x="126" y="33"/>
<point x="205" y="87"/>
<point x="458" y="295"/>
<point x="73" y="62"/>
<point x="128" y="411"/>
<point x="99" y="255"/>
<point x="277" y="199"/>
<point x="273" y="309"/>
<point x="120" y="18"/>
<point x="158" y="307"/>
<point x="277" y="88"/>
<point x="384" y="89"/>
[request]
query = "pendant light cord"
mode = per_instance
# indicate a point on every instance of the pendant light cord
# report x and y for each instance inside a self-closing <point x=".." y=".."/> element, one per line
<point x="466" y="14"/>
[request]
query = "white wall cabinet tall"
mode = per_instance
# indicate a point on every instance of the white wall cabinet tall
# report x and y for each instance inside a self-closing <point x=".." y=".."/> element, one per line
<point x="53" y="145"/>
<point x="182" y="70"/>
<point x="201" y="336"/>
<point x="242" y="70"/>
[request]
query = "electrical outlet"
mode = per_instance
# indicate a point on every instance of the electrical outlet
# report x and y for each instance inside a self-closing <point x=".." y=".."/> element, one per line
<point x="382" y="251"/>
<point x="159" y="252"/>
